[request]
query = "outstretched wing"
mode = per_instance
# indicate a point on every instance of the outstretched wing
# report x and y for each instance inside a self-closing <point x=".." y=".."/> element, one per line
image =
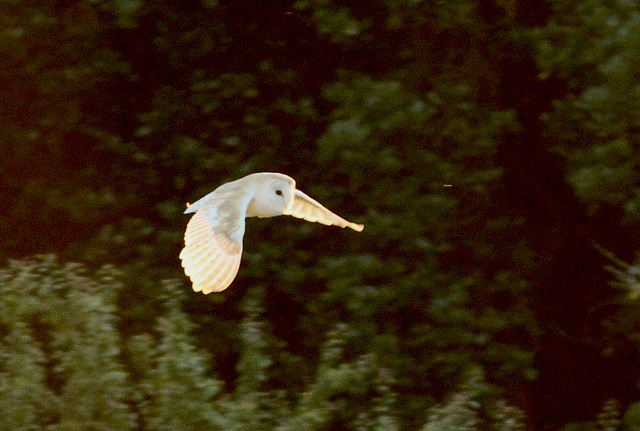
<point x="213" y="240"/>
<point x="304" y="207"/>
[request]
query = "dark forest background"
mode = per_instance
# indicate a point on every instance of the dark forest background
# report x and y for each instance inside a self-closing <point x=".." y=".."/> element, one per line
<point x="491" y="148"/>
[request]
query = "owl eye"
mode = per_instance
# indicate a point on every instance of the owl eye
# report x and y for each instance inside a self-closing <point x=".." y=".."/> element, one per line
<point x="279" y="192"/>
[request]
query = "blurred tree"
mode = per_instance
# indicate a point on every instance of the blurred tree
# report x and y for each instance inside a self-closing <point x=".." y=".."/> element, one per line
<point x="594" y="47"/>
<point x="485" y="145"/>
<point x="587" y="45"/>
<point x="61" y="367"/>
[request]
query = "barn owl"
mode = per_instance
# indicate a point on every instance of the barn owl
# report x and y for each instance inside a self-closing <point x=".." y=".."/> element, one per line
<point x="213" y="239"/>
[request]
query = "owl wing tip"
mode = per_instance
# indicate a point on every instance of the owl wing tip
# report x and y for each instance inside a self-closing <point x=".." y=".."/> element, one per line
<point x="189" y="209"/>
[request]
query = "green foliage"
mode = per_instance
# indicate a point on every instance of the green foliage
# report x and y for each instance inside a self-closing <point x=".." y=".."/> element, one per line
<point x="417" y="118"/>
<point x="464" y="410"/>
<point x="595" y="46"/>
<point x="60" y="325"/>
<point x="627" y="276"/>
<point x="609" y="418"/>
<point x="62" y="367"/>
<point x="172" y="387"/>
<point x="631" y="418"/>
<point x="338" y="22"/>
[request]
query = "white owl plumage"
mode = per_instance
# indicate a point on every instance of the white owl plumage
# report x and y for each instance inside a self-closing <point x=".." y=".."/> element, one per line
<point x="213" y="239"/>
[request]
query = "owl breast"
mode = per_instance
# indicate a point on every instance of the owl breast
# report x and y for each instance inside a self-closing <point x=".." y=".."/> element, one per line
<point x="261" y="207"/>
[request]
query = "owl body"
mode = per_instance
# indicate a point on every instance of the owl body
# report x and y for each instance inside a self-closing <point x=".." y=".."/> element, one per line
<point x="213" y="238"/>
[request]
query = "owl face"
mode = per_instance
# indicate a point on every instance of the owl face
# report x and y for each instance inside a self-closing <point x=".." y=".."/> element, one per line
<point x="280" y="194"/>
<point x="272" y="196"/>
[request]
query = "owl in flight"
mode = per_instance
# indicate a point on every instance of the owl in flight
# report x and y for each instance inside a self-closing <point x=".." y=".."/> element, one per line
<point x="213" y="239"/>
